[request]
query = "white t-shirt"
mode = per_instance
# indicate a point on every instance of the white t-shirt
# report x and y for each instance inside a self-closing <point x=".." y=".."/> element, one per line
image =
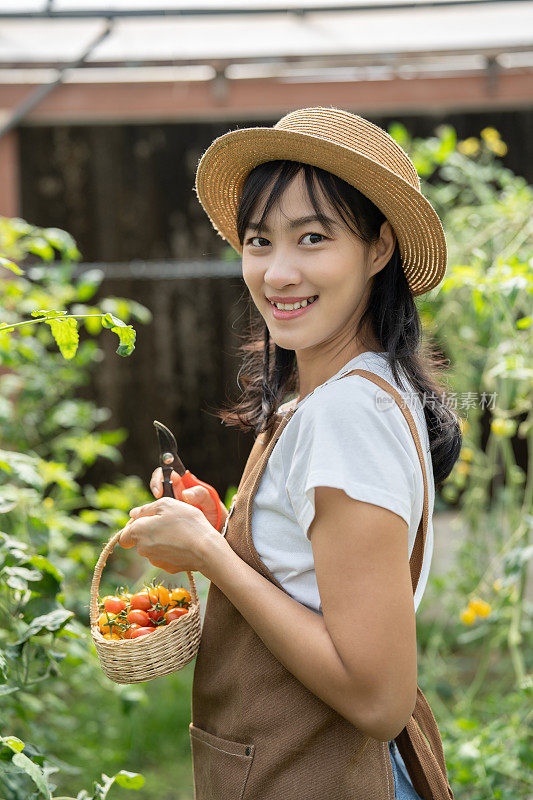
<point x="341" y="436"/>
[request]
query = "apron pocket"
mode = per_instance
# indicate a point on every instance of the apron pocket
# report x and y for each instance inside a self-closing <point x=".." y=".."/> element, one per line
<point x="220" y="766"/>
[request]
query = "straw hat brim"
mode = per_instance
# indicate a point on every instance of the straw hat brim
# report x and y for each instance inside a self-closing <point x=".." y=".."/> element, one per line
<point x="226" y="163"/>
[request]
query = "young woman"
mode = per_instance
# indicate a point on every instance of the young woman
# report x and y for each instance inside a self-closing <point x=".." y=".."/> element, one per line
<point x="307" y="668"/>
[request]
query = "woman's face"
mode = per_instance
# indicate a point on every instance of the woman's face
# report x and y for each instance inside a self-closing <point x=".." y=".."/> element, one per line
<point x="296" y="260"/>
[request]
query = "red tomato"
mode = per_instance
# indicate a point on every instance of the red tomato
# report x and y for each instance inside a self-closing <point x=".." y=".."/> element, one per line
<point x="140" y="632"/>
<point x="175" y="613"/>
<point x="133" y="627"/>
<point x="156" y="614"/>
<point x="141" y="600"/>
<point x="114" y="604"/>
<point x="138" y="616"/>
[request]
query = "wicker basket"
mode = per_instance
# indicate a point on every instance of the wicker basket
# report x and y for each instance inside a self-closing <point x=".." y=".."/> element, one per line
<point x="166" y="650"/>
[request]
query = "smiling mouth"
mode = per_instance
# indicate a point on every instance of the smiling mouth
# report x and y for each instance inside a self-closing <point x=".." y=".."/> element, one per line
<point x="294" y="306"/>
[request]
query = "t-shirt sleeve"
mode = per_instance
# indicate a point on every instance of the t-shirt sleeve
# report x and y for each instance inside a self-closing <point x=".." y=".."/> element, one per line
<point x="344" y="440"/>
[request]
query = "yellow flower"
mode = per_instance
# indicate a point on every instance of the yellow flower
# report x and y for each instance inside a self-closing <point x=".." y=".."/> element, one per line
<point x="469" y="147"/>
<point x="497" y="585"/>
<point x="480" y="607"/>
<point x="48" y="502"/>
<point x="505" y="428"/>
<point x="466" y="454"/>
<point x="462" y="468"/>
<point x="498" y="147"/>
<point x="468" y="616"/>
<point x="490" y="134"/>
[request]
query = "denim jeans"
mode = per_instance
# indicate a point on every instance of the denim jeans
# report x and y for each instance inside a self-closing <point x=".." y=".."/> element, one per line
<point x="403" y="788"/>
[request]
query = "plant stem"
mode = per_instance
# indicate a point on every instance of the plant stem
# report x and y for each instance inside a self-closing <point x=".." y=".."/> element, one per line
<point x="44" y="319"/>
<point x="479" y="677"/>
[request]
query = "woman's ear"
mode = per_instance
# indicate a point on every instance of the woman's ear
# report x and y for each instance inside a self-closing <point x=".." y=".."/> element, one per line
<point x="382" y="250"/>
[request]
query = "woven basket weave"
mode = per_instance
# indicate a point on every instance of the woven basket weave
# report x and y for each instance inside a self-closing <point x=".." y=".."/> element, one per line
<point x="166" y="650"/>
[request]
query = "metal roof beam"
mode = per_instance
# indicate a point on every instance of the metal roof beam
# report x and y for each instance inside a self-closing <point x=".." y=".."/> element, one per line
<point x="29" y="103"/>
<point x="89" y="13"/>
<point x="390" y="58"/>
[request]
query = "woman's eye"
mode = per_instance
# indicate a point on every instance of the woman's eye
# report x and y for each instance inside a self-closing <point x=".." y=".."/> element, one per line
<point x="314" y="234"/>
<point x="262" y="239"/>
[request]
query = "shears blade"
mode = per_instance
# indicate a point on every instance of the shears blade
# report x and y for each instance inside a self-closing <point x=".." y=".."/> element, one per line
<point x="168" y="449"/>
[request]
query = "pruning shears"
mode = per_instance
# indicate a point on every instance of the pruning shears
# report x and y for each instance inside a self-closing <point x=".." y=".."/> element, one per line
<point x="169" y="460"/>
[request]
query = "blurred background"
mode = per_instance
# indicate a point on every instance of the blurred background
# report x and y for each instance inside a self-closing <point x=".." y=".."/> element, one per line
<point x="105" y="110"/>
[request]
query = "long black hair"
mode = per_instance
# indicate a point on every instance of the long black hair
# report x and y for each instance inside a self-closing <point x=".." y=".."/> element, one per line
<point x="269" y="372"/>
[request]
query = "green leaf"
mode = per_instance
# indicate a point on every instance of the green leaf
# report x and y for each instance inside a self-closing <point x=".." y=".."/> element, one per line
<point x="5" y="689"/>
<point x="65" y="332"/>
<point x="35" y="772"/>
<point x="18" y="577"/>
<point x="42" y="563"/>
<point x="88" y="284"/>
<point x="41" y="248"/>
<point x="125" y="333"/>
<point x="400" y="134"/>
<point x="5" y="262"/>
<point x="129" y="780"/>
<point x="16" y="744"/>
<point x="23" y="467"/>
<point x="47" y="622"/>
<point x="47" y="313"/>
<point x="63" y="242"/>
<point x="523" y="323"/>
<point x="56" y="472"/>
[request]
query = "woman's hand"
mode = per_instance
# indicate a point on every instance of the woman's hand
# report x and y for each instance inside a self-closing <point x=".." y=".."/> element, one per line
<point x="196" y="495"/>
<point x="171" y="534"/>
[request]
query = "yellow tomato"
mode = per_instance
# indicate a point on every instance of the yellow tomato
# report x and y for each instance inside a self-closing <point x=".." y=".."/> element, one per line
<point x="106" y="622"/>
<point x="179" y="597"/>
<point x="159" y="594"/>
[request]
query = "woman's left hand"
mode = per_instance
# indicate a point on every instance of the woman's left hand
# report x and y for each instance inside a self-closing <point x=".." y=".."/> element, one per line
<point x="172" y="534"/>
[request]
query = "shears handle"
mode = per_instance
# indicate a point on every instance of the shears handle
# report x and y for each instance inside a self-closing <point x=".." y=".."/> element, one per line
<point x="188" y="480"/>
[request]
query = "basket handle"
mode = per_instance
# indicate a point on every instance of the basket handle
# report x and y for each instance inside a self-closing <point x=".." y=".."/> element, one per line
<point x="93" y="608"/>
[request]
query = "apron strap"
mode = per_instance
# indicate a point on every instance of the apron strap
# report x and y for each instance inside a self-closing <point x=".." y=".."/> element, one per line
<point x="419" y="743"/>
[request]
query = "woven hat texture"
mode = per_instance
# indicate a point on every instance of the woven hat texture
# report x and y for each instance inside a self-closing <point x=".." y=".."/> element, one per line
<point x="348" y="146"/>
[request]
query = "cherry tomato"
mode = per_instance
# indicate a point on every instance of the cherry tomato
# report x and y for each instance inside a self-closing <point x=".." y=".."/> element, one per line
<point x="156" y="614"/>
<point x="133" y="627"/>
<point x="179" y="597"/>
<point x="159" y="594"/>
<point x="111" y="636"/>
<point x="175" y="613"/>
<point x="138" y="616"/>
<point x="141" y="600"/>
<point x="141" y="632"/>
<point x="106" y="622"/>
<point x="114" y="604"/>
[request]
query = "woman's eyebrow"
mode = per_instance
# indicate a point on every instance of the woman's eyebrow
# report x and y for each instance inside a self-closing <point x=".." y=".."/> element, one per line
<point x="295" y="223"/>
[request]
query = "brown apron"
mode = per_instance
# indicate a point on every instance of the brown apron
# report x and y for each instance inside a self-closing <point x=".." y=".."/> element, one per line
<point x="257" y="733"/>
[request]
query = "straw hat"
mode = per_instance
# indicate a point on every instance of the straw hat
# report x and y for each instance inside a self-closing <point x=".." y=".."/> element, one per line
<point x="349" y="146"/>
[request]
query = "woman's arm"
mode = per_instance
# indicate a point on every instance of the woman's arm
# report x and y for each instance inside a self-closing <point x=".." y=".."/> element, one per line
<point x="360" y="657"/>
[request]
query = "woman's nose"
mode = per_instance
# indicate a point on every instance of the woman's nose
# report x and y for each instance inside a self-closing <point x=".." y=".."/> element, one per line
<point x="280" y="272"/>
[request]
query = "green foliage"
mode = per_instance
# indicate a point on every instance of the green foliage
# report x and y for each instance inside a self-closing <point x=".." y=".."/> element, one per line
<point x="52" y="527"/>
<point x="477" y="658"/>
<point x="19" y="239"/>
